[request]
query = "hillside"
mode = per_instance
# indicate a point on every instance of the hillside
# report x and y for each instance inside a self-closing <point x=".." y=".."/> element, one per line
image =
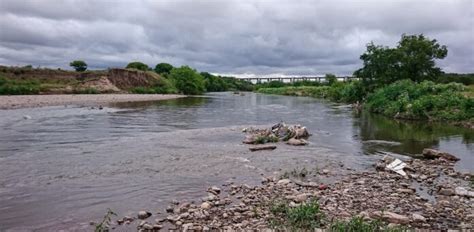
<point x="24" y="80"/>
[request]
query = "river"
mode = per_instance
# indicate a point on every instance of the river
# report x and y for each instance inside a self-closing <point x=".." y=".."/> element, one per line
<point x="63" y="166"/>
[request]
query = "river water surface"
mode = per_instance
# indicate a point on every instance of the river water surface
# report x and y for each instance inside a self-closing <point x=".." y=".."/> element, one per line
<point x="61" y="167"/>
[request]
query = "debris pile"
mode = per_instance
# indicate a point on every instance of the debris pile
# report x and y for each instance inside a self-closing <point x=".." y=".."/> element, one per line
<point x="291" y="134"/>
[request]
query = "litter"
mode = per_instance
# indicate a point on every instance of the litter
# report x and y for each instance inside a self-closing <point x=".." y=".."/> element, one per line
<point x="397" y="166"/>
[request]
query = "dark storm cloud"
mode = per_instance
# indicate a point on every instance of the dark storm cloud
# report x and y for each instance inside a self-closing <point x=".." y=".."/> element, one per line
<point x="259" y="37"/>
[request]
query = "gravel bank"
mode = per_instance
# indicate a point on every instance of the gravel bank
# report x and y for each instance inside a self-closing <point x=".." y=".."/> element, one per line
<point x="24" y="101"/>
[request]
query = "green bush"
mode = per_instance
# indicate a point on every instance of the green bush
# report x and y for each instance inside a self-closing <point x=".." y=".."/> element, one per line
<point x="425" y="100"/>
<point x="187" y="80"/>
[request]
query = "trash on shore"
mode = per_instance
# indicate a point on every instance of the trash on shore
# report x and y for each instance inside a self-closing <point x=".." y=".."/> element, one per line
<point x="397" y="166"/>
<point x="291" y="134"/>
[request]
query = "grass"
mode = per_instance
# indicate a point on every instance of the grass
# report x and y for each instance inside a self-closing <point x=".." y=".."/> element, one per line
<point x="297" y="173"/>
<point x="302" y="217"/>
<point x="17" y="87"/>
<point x="265" y="139"/>
<point x="104" y="225"/>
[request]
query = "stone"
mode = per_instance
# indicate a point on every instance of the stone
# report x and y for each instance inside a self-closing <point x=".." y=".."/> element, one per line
<point x="297" y="142"/>
<point x="205" y="205"/>
<point x="322" y="187"/>
<point x="325" y="171"/>
<point x="144" y="214"/>
<point x="436" y="154"/>
<point x="418" y="218"/>
<point x="284" y="182"/>
<point x="394" y="217"/>
<point x="405" y="191"/>
<point x="215" y="189"/>
<point x="446" y="192"/>
<point x="300" y="198"/>
<point x="460" y="191"/>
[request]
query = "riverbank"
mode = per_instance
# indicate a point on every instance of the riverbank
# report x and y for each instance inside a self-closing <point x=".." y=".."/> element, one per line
<point x="406" y="100"/>
<point x="28" y="101"/>
<point x="432" y="196"/>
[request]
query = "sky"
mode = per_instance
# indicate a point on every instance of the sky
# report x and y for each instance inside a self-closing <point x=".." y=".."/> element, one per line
<point x="237" y="37"/>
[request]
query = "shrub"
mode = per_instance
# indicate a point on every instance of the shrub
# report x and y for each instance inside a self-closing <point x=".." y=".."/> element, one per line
<point x="426" y="100"/>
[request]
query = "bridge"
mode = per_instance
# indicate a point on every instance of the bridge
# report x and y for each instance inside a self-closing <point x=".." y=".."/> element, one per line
<point x="290" y="79"/>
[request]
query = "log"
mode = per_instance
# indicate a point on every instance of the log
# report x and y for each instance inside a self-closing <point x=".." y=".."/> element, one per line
<point x="264" y="147"/>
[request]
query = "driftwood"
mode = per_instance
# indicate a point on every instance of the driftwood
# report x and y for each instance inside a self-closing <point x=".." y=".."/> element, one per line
<point x="265" y="147"/>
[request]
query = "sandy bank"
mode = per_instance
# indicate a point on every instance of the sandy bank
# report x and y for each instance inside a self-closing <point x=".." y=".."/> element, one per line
<point x="23" y="101"/>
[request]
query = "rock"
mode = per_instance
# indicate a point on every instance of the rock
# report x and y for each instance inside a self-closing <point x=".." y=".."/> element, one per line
<point x="446" y="192"/>
<point x="284" y="182"/>
<point x="215" y="189"/>
<point x="405" y="191"/>
<point x="263" y="147"/>
<point x="205" y="205"/>
<point x="250" y="139"/>
<point x="322" y="187"/>
<point x="297" y="142"/>
<point x="435" y="154"/>
<point x="301" y="132"/>
<point x="325" y="171"/>
<point x="418" y="218"/>
<point x="26" y="117"/>
<point x="460" y="191"/>
<point x="300" y="198"/>
<point x="147" y="227"/>
<point x="143" y="215"/>
<point x="391" y="217"/>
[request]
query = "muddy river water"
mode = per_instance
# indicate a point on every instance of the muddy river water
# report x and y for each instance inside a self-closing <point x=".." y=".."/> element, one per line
<point x="63" y="166"/>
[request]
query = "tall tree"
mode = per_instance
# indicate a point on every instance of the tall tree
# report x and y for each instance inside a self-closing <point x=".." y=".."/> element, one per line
<point x="187" y="80"/>
<point x="79" y="65"/>
<point x="137" y="65"/>
<point x="163" y="68"/>
<point x="413" y="58"/>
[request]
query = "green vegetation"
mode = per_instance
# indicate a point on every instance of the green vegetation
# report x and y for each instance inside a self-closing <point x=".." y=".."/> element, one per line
<point x="163" y="68"/>
<point x="17" y="87"/>
<point x="308" y="216"/>
<point x="104" y="225"/>
<point x="302" y="217"/>
<point x="266" y="139"/>
<point x="220" y="83"/>
<point x="413" y="58"/>
<point x="137" y="65"/>
<point x="86" y="91"/>
<point x="425" y="100"/>
<point x="187" y="80"/>
<point x="78" y="65"/>
<point x="398" y="83"/>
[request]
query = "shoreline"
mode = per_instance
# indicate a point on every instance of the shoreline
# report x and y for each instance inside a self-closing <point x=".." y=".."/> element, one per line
<point x="8" y="102"/>
<point x="425" y="199"/>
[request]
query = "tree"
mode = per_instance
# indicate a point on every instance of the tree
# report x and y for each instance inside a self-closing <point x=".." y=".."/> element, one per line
<point x="187" y="80"/>
<point x="79" y="65"/>
<point x="138" y="65"/>
<point x="163" y="68"/>
<point x="330" y="78"/>
<point x="413" y="58"/>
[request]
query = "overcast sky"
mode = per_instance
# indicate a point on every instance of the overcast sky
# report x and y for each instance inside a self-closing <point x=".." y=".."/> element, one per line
<point x="235" y="37"/>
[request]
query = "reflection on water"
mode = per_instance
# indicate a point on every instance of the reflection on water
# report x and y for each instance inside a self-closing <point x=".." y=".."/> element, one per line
<point x="411" y="137"/>
<point x="65" y="165"/>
